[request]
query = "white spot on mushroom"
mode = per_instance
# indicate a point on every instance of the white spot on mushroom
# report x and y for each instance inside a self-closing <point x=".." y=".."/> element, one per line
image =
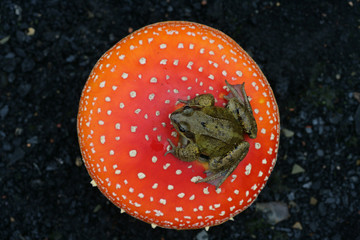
<point x="206" y="190"/>
<point x="132" y="153"/>
<point x="122" y="105"/>
<point x="181" y="195"/>
<point x="117" y="126"/>
<point x="131" y="190"/>
<point x="107" y="99"/>
<point x="142" y="60"/>
<point x="163" y="61"/>
<point x="176" y="62"/>
<point x="154" y="159"/>
<point x="239" y="73"/>
<point x="101" y="122"/>
<point x="178" y="172"/>
<point x="189" y="65"/>
<point x="179" y="209"/>
<point x="117" y="172"/>
<point x="132" y="94"/>
<point x="184" y="78"/>
<point x="162" y="46"/>
<point x="153" y="80"/>
<point x="133" y="129"/>
<point x="170" y="187"/>
<point x="195" y="179"/>
<point x="155" y="186"/>
<point x="248" y="169"/>
<point x="111" y="152"/>
<point x="151" y="96"/>
<point x="102" y="139"/>
<point x="272" y="136"/>
<point x="122" y="57"/>
<point x="162" y="201"/>
<point x="141" y="195"/>
<point x="257" y="146"/>
<point x="102" y="84"/>
<point x="124" y="75"/>
<point x="192" y="197"/>
<point x="180" y="45"/>
<point x="166" y="166"/>
<point x="141" y="175"/>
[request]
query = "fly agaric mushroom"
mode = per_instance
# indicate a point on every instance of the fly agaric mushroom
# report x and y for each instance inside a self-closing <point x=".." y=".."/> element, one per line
<point x="123" y="125"/>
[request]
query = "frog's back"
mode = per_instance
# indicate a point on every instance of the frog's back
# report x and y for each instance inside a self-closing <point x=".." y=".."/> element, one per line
<point x="220" y="112"/>
<point x="223" y="131"/>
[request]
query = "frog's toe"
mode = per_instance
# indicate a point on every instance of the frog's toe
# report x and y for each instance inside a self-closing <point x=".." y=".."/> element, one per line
<point x="170" y="151"/>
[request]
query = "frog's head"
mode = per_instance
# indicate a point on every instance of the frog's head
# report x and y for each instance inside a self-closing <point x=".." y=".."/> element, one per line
<point x="181" y="120"/>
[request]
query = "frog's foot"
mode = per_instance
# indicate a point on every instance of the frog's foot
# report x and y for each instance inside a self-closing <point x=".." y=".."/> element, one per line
<point x="187" y="153"/>
<point x="172" y="150"/>
<point x="236" y="91"/>
<point x="215" y="179"/>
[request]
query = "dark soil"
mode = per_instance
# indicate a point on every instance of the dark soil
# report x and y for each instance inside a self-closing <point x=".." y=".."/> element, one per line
<point x="309" y="51"/>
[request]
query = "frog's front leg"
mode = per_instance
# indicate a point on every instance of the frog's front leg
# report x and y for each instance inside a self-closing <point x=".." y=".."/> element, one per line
<point x="203" y="100"/>
<point x="188" y="153"/>
<point x="223" y="167"/>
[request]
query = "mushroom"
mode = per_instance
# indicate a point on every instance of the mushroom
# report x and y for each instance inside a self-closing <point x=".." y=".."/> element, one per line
<point x="123" y="125"/>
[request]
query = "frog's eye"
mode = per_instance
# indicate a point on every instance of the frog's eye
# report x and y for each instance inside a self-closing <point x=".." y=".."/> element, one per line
<point x="188" y="110"/>
<point x="183" y="127"/>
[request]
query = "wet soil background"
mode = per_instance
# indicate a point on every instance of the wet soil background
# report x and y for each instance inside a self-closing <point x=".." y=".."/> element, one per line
<point x="309" y="51"/>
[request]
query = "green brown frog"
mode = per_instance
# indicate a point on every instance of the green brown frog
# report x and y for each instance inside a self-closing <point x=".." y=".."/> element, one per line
<point x="214" y="134"/>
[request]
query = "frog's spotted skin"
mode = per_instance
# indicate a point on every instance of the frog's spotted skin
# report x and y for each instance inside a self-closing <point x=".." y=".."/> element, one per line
<point x="214" y="133"/>
<point x="123" y="125"/>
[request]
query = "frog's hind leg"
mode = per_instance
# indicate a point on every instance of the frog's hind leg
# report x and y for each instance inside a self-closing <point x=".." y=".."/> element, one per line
<point x="236" y="156"/>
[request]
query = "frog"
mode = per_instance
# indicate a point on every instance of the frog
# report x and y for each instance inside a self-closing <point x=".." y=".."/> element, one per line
<point x="214" y="134"/>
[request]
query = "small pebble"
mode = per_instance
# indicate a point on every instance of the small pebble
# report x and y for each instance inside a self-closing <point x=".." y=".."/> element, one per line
<point x="297" y="169"/>
<point x="288" y="133"/>
<point x="313" y="201"/>
<point x="297" y="225"/>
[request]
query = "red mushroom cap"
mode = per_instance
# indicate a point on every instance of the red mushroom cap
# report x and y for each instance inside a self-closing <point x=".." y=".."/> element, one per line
<point x="123" y="124"/>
